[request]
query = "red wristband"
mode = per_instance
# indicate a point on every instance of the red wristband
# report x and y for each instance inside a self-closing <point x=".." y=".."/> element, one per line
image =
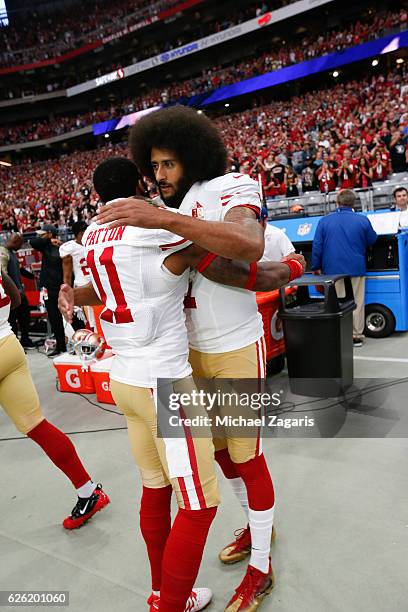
<point x="295" y="267"/>
<point x="205" y="262"/>
<point x="253" y="268"/>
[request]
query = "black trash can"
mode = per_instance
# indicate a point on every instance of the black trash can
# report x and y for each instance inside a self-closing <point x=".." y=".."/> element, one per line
<point x="319" y="337"/>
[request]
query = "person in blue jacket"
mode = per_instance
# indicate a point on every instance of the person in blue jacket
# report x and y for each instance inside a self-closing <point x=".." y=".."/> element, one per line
<point x="339" y="247"/>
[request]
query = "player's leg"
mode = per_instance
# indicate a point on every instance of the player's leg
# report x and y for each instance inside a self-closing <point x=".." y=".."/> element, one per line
<point x="222" y="365"/>
<point x="56" y="320"/>
<point x="23" y="316"/>
<point x="243" y="363"/>
<point x="251" y="467"/>
<point x="182" y="549"/>
<point x="19" y="399"/>
<point x="207" y="366"/>
<point x="155" y="515"/>
<point x="191" y="469"/>
<point x="245" y="467"/>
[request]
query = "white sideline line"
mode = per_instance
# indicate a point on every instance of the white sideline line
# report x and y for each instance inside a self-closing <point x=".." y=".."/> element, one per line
<point x="392" y="359"/>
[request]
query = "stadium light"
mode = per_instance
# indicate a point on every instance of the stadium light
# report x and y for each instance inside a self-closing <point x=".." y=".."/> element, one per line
<point x="106" y="135"/>
<point x="226" y="105"/>
<point x="200" y="112"/>
<point x="335" y="74"/>
<point x="4" y="163"/>
<point x="400" y="60"/>
<point x="375" y="62"/>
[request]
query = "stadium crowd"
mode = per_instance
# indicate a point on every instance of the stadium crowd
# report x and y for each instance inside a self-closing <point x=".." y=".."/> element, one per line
<point x="274" y="59"/>
<point x="45" y="37"/>
<point x="350" y="135"/>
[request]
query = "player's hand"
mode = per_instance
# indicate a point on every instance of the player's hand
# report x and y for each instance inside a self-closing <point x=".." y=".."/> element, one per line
<point x="297" y="256"/>
<point x="66" y="302"/>
<point x="131" y="211"/>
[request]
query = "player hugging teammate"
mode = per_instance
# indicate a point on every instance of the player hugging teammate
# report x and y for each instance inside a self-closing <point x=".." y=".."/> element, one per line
<point x="141" y="275"/>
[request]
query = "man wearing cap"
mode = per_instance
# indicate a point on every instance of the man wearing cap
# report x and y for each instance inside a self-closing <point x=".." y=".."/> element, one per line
<point x="51" y="279"/>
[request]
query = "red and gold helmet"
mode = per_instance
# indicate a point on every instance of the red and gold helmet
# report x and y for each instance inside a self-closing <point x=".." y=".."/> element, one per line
<point x="87" y="345"/>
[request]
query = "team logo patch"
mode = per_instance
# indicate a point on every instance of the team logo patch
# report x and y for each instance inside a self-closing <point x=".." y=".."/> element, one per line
<point x="197" y="211"/>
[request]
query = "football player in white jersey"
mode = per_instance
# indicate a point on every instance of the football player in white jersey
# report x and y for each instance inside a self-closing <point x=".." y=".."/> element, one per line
<point x="19" y="400"/>
<point x="74" y="268"/>
<point x="72" y="254"/>
<point x="226" y="339"/>
<point x="143" y="322"/>
<point x="183" y="153"/>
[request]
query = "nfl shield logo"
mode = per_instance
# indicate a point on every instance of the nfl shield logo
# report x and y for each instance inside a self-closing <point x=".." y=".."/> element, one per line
<point x="197" y="211"/>
<point x="304" y="229"/>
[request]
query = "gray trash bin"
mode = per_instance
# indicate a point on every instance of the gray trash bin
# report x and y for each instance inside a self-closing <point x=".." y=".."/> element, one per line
<point x="319" y="337"/>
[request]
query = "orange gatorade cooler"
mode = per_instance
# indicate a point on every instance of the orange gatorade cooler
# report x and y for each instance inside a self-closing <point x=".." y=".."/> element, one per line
<point x="268" y="306"/>
<point x="72" y="376"/>
<point x="100" y="374"/>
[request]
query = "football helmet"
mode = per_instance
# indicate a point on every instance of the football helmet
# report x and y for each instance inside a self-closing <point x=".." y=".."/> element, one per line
<point x="87" y="345"/>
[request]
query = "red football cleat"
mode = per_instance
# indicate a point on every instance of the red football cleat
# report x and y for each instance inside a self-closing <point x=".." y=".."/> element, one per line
<point x="241" y="547"/>
<point x="253" y="589"/>
<point x="86" y="507"/>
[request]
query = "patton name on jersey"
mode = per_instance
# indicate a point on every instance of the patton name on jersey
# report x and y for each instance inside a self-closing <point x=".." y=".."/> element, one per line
<point x="143" y="320"/>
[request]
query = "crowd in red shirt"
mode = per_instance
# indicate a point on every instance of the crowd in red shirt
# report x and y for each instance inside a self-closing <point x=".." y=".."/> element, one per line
<point x="56" y="191"/>
<point x="210" y="79"/>
<point x="348" y="136"/>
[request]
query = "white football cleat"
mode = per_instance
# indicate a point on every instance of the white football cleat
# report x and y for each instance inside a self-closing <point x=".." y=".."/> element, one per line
<point x="198" y="600"/>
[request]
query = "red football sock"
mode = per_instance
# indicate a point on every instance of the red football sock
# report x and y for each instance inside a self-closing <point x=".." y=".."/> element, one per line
<point x="155" y="525"/>
<point x="258" y="483"/>
<point x="182" y="557"/>
<point x="223" y="459"/>
<point x="61" y="451"/>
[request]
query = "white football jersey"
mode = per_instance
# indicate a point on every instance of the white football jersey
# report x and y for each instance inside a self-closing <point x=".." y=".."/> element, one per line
<point x="80" y="268"/>
<point x="5" y="328"/>
<point x="143" y="320"/>
<point x="221" y="318"/>
<point x="277" y="244"/>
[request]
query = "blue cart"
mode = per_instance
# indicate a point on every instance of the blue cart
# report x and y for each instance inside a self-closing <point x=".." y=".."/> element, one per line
<point x="386" y="294"/>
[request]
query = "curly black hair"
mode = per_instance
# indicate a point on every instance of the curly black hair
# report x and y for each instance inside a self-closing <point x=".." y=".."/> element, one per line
<point x="191" y="136"/>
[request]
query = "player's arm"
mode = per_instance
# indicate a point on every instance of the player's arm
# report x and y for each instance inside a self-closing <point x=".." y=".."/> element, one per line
<point x="39" y="244"/>
<point x="67" y="269"/>
<point x="11" y="290"/>
<point x="80" y="296"/>
<point x="264" y="276"/>
<point x="237" y="237"/>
